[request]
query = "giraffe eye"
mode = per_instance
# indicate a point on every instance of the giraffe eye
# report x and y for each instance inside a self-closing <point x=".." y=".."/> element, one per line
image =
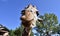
<point x="31" y="11"/>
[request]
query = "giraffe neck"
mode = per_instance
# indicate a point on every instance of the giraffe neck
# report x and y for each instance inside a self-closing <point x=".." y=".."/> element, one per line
<point x="27" y="31"/>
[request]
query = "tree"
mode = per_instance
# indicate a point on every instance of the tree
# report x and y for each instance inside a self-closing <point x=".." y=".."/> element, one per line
<point x="48" y="25"/>
<point x="58" y="29"/>
<point x="11" y="33"/>
<point x="18" y="31"/>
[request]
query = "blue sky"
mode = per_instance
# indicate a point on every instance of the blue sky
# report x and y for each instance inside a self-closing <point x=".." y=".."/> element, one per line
<point x="10" y="10"/>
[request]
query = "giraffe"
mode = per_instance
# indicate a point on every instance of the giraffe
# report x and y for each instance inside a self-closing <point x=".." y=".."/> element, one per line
<point x="29" y="18"/>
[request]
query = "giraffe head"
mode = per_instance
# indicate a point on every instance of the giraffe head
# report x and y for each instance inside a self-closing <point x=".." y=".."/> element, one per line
<point x="29" y="12"/>
<point x="29" y="16"/>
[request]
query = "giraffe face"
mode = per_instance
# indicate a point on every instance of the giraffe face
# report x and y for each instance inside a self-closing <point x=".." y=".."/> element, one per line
<point x="27" y="15"/>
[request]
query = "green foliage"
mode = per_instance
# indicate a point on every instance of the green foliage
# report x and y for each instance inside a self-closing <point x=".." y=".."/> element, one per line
<point x="18" y="32"/>
<point x="49" y="23"/>
<point x="11" y="33"/>
<point x="31" y="34"/>
<point x="58" y="29"/>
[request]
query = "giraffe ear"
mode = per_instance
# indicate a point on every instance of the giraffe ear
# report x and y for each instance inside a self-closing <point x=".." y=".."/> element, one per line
<point x="23" y="12"/>
<point x="37" y="13"/>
